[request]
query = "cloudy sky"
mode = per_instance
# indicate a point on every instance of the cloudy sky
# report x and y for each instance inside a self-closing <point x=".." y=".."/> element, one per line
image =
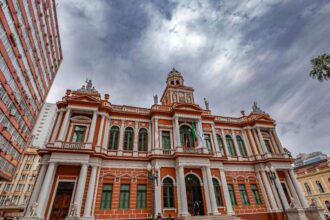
<point x="231" y="52"/>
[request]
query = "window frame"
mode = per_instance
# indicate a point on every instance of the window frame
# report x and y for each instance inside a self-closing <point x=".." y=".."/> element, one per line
<point x="104" y="204"/>
<point x="255" y="193"/>
<point x="124" y="201"/>
<point x="217" y="192"/>
<point x="113" y="138"/>
<point x="168" y="193"/>
<point x="141" y="203"/>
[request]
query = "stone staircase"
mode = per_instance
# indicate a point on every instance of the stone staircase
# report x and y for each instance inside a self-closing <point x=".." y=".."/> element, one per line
<point x="210" y="217"/>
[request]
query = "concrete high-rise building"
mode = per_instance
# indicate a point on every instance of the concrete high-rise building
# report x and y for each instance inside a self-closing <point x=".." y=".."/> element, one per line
<point x="30" y="55"/>
<point x="42" y="129"/>
<point x="15" y="195"/>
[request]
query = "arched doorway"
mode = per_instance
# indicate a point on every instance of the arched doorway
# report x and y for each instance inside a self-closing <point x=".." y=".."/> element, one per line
<point x="194" y="193"/>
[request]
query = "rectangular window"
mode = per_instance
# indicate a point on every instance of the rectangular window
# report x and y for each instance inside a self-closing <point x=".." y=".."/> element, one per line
<point x="243" y="194"/>
<point x="166" y="140"/>
<point x="78" y="133"/>
<point x="141" y="197"/>
<point x="255" y="193"/>
<point x="208" y="141"/>
<point x="269" y="149"/>
<point x="232" y="194"/>
<point x="124" y="196"/>
<point x="106" y="197"/>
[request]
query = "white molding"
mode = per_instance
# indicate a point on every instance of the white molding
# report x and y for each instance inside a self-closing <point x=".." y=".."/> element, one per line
<point x="124" y="164"/>
<point x="234" y="167"/>
<point x="67" y="158"/>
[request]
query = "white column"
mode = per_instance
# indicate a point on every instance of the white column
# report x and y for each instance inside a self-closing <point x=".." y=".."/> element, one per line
<point x="90" y="194"/>
<point x="136" y="138"/>
<point x="45" y="190"/>
<point x="65" y="124"/>
<point x="260" y="148"/>
<point x="106" y="134"/>
<point x="216" y="144"/>
<point x="254" y="144"/>
<point x="80" y="187"/>
<point x="229" y="206"/>
<point x="177" y="131"/>
<point x="292" y="190"/>
<point x="299" y="191"/>
<point x="263" y="145"/>
<point x="206" y="192"/>
<point x="57" y="125"/>
<point x="149" y="137"/>
<point x="281" y="192"/>
<point x="279" y="145"/>
<point x="269" y="190"/>
<point x="156" y="135"/>
<point x="213" y="201"/>
<point x="263" y="191"/>
<point x="175" y="140"/>
<point x="100" y="134"/>
<point x="225" y="142"/>
<point x="247" y="143"/>
<point x="158" y="197"/>
<point x="183" y="193"/>
<point x="178" y="192"/>
<point x="236" y="145"/>
<point x="37" y="188"/>
<point x="92" y="129"/>
<point x="121" y="137"/>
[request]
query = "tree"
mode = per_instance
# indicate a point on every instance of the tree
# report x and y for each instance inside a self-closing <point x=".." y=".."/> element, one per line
<point x="321" y="68"/>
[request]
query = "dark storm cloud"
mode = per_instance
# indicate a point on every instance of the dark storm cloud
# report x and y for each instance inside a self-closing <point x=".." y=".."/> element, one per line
<point x="231" y="52"/>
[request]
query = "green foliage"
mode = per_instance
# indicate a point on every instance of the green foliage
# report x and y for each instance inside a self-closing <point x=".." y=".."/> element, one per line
<point x="321" y="68"/>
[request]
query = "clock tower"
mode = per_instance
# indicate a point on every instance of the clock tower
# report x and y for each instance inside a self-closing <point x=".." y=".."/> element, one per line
<point x="176" y="91"/>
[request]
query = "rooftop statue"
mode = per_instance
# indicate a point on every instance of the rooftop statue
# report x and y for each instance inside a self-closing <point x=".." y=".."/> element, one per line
<point x="256" y="108"/>
<point x="207" y="105"/>
<point x="88" y="87"/>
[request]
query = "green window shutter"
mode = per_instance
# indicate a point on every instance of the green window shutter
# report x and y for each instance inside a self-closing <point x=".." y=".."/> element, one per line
<point x="124" y="196"/>
<point x="217" y="192"/>
<point x="166" y="141"/>
<point x="106" y="197"/>
<point x="243" y="194"/>
<point x="168" y="196"/>
<point x="255" y="193"/>
<point x="269" y="149"/>
<point x="141" y="196"/>
<point x="232" y="194"/>
<point x="241" y="146"/>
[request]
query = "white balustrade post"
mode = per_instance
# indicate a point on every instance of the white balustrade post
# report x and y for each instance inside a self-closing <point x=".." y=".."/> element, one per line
<point x="229" y="206"/>
<point x="90" y="193"/>
<point x="80" y="187"/>
<point x="45" y="190"/>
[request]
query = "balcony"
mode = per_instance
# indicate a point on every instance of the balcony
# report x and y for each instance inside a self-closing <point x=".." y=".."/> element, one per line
<point x="73" y="145"/>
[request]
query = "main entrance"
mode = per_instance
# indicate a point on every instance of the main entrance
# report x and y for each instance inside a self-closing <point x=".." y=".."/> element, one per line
<point x="194" y="194"/>
<point x="62" y="201"/>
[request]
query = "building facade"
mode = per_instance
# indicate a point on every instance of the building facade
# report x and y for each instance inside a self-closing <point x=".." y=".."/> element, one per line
<point x="107" y="161"/>
<point x="44" y="125"/>
<point x="14" y="195"/>
<point x="313" y="173"/>
<point x="30" y="55"/>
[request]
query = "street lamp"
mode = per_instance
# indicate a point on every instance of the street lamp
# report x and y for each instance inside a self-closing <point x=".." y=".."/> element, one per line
<point x="272" y="175"/>
<point x="153" y="176"/>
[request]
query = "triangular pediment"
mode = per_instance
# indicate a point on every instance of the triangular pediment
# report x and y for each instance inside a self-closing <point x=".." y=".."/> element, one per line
<point x="187" y="106"/>
<point x="85" y="98"/>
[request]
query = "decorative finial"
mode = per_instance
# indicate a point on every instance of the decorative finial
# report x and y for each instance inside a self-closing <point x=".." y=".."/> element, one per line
<point x="256" y="108"/>
<point x="206" y="104"/>
<point x="156" y="99"/>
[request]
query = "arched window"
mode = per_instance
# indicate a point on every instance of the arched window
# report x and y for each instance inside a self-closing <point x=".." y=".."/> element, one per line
<point x="308" y="189"/>
<point x="168" y="195"/>
<point x="128" y="140"/>
<point x="143" y="139"/>
<point x="220" y="143"/>
<point x="319" y="186"/>
<point x="241" y="146"/>
<point x="114" y="138"/>
<point x="230" y="144"/>
<point x="186" y="136"/>
<point x="217" y="192"/>
<point x="327" y="204"/>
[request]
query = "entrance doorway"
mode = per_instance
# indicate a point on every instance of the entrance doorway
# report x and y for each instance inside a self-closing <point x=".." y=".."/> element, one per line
<point x="194" y="194"/>
<point x="62" y="201"/>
